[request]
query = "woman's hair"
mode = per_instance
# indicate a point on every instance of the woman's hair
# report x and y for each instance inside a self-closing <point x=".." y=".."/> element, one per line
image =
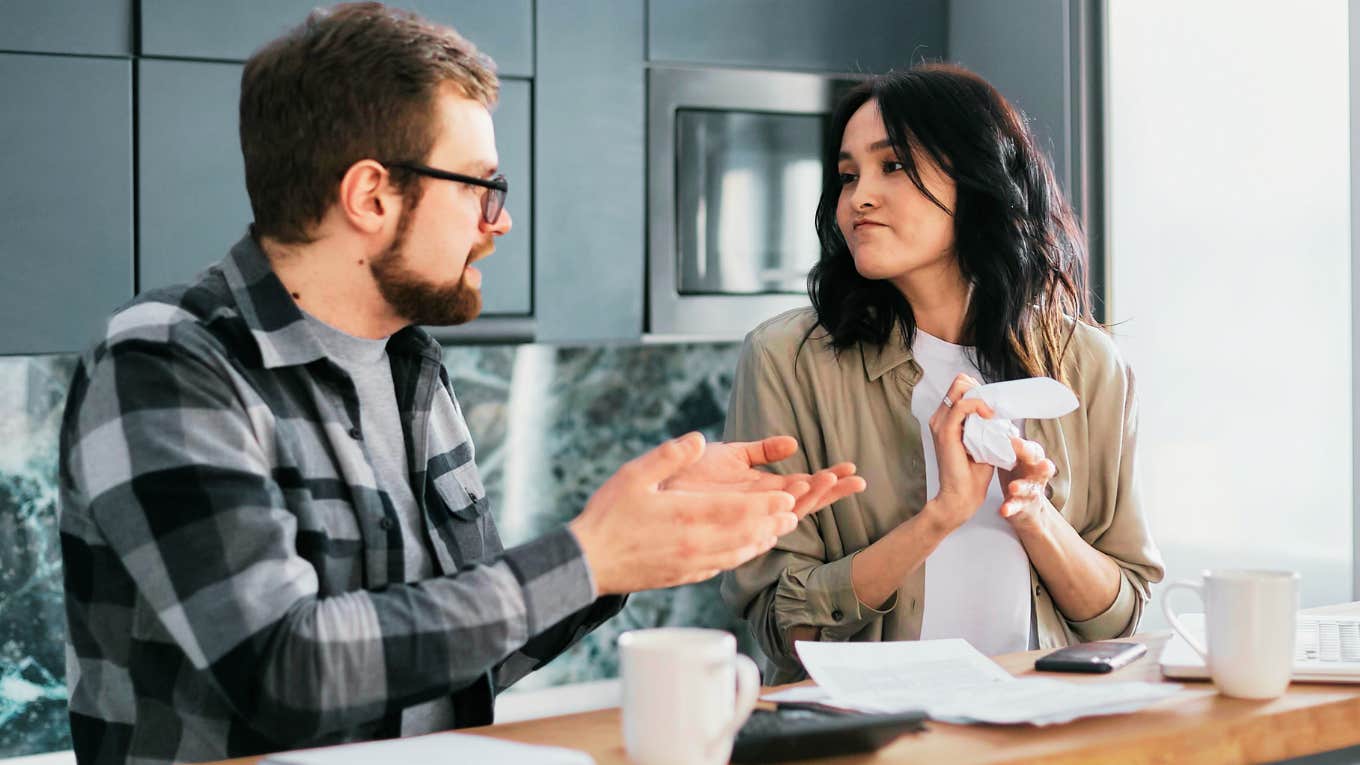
<point x="1017" y="242"/>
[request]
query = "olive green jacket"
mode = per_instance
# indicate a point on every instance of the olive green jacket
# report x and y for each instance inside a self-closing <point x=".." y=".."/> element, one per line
<point x="856" y="406"/>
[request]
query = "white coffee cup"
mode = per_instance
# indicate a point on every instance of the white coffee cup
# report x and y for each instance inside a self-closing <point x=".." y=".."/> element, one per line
<point x="1250" y="621"/>
<point x="686" y="692"/>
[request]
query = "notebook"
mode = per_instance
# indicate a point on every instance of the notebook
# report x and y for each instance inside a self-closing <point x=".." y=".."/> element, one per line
<point x="1326" y="650"/>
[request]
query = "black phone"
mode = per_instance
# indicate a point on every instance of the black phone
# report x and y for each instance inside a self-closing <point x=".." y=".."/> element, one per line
<point x="1101" y="656"/>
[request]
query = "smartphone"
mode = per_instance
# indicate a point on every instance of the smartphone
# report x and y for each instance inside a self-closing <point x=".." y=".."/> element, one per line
<point x="1102" y="656"/>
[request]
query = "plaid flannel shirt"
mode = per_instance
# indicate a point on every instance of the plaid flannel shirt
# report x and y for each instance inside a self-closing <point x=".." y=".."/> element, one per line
<point x="234" y="577"/>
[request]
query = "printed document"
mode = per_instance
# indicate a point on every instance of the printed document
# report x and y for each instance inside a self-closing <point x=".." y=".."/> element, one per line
<point x="953" y="682"/>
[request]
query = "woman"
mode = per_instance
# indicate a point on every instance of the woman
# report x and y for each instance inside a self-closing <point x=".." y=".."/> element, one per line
<point x="949" y="256"/>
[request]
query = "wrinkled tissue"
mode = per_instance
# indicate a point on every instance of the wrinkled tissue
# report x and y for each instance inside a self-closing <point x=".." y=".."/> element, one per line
<point x="1037" y="398"/>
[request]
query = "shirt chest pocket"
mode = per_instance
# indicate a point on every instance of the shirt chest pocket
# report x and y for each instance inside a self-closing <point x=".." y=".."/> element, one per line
<point x="460" y="506"/>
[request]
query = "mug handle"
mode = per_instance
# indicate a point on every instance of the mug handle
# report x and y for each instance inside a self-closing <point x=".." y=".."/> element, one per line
<point x="748" y="690"/>
<point x="1176" y="624"/>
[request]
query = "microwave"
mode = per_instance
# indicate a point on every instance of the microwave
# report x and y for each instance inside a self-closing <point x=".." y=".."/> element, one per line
<point x="734" y="162"/>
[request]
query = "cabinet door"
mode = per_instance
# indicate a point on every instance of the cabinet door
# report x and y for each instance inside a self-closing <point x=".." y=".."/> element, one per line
<point x="96" y="27"/>
<point x="1025" y="51"/>
<point x="589" y="165"/>
<point x="191" y="188"/>
<point x="840" y="36"/>
<point x="66" y="208"/>
<point x="508" y="273"/>
<point x="234" y="30"/>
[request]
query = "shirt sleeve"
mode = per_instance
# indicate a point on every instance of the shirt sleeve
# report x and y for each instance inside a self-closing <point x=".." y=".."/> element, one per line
<point x="175" y="472"/>
<point x="1119" y="527"/>
<point x="794" y="584"/>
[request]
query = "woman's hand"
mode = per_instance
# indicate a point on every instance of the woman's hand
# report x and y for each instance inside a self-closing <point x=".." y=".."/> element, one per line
<point x="1023" y="487"/>
<point x="963" y="482"/>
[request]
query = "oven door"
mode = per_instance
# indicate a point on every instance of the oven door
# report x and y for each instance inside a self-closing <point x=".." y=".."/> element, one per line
<point x="734" y="175"/>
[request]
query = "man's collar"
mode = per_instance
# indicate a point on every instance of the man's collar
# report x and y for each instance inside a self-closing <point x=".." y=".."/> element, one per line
<point x="276" y="322"/>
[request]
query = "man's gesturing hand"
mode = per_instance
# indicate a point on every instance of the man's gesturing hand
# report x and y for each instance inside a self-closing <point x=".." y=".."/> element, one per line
<point x="733" y="466"/>
<point x="638" y="536"/>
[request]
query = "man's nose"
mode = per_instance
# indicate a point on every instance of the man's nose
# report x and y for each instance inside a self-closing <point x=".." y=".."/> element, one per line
<point x="502" y="225"/>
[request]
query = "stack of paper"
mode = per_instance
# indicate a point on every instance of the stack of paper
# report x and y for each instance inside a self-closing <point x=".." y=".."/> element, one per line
<point x="440" y="747"/>
<point x="952" y="682"/>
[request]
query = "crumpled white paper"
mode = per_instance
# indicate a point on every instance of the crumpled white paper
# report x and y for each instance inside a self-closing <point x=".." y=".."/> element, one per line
<point x="1037" y="398"/>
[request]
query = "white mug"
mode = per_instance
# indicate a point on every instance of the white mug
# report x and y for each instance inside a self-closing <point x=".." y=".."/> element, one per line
<point x="686" y="692"/>
<point x="1250" y="621"/>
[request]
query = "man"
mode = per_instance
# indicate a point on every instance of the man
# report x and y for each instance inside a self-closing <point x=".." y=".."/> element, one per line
<point x="273" y="528"/>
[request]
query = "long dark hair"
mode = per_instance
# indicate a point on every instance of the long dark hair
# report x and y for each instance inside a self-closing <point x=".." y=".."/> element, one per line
<point x="1015" y="237"/>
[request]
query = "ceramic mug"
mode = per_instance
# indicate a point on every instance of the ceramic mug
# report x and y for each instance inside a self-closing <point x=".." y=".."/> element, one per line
<point x="1249" y="622"/>
<point x="686" y="692"/>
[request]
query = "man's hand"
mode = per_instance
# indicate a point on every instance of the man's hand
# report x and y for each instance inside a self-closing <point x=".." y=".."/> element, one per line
<point x="638" y="536"/>
<point x="733" y="466"/>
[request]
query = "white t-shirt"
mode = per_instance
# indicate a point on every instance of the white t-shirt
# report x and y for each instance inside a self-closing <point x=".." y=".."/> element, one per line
<point x="977" y="580"/>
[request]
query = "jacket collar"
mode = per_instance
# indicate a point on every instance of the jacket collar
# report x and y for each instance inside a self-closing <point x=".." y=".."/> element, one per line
<point x="881" y="359"/>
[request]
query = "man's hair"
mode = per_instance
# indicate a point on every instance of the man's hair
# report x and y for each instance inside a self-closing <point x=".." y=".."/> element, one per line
<point x="357" y="81"/>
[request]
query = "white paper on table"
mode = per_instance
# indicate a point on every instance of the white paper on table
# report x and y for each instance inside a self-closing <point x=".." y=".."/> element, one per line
<point x="440" y="747"/>
<point x="1037" y="398"/>
<point x="952" y="682"/>
<point x="799" y="694"/>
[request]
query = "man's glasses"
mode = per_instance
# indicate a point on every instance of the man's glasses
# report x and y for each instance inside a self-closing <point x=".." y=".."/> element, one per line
<point x="496" y="188"/>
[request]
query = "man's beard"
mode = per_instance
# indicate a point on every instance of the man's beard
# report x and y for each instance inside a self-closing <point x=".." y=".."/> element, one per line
<point x="415" y="299"/>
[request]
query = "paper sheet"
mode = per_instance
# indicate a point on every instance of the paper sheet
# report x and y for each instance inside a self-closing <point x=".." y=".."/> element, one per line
<point x="952" y="682"/>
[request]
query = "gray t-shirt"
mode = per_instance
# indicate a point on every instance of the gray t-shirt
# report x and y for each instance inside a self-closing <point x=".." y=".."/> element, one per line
<point x="366" y="362"/>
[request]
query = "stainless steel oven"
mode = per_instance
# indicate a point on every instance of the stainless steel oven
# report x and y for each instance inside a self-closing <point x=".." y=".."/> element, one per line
<point x="734" y="165"/>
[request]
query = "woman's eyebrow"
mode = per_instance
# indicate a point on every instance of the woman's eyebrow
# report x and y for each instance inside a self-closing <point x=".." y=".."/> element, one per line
<point x="875" y="146"/>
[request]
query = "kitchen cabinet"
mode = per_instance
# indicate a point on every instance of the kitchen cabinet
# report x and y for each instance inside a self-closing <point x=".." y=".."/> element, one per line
<point x="66" y="210"/>
<point x="191" y="187"/>
<point x="88" y="27"/>
<point x="233" y="30"/>
<point x="844" y="36"/>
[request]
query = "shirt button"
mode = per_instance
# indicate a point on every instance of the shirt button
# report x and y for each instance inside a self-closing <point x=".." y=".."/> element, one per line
<point x="837" y="615"/>
<point x="386" y="524"/>
<point x="355" y="434"/>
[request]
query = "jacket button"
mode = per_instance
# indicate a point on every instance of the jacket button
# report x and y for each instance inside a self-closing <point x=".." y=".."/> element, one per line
<point x="837" y="615"/>
<point x="355" y="434"/>
<point x="385" y="524"/>
<point x="1038" y="591"/>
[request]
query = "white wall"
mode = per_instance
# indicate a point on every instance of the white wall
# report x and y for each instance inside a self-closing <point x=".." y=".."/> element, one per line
<point x="1228" y="162"/>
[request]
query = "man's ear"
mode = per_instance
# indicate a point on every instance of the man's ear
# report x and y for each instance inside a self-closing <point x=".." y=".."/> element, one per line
<point x="367" y="199"/>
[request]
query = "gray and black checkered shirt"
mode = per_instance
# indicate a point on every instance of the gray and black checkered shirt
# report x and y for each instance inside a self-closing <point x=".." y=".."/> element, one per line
<point x="234" y="575"/>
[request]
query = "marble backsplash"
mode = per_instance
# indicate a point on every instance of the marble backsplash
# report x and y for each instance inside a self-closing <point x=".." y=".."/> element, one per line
<point x="549" y="423"/>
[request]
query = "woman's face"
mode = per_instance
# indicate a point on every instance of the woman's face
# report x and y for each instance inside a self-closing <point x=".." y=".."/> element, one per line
<point x="891" y="227"/>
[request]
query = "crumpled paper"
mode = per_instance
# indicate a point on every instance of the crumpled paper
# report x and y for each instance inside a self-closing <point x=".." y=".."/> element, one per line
<point x="1037" y="398"/>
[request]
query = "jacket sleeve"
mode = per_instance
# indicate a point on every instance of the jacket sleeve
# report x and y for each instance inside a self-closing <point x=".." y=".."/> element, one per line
<point x="1119" y="527"/>
<point x="794" y="584"/>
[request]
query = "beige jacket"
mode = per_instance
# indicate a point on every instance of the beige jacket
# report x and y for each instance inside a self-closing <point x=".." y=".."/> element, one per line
<point x="857" y="407"/>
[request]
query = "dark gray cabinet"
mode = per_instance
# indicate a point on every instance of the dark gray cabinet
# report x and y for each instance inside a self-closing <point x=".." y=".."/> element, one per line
<point x="233" y="30"/>
<point x="589" y="165"/>
<point x="508" y="274"/>
<point x="842" y="36"/>
<point x="92" y="27"/>
<point x="1023" y="49"/>
<point x="66" y="206"/>
<point x="191" y="180"/>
